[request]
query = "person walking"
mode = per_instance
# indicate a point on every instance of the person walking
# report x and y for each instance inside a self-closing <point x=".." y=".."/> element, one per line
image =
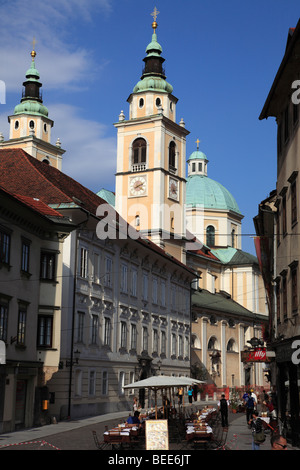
<point x="223" y="407"/>
<point x="180" y="395"/>
<point x="258" y="435"/>
<point x="249" y="407"/>
<point x="195" y="392"/>
<point x="190" y="394"/>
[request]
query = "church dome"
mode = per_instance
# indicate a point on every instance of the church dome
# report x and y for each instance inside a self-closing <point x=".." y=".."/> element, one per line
<point x="209" y="194"/>
<point x="203" y="191"/>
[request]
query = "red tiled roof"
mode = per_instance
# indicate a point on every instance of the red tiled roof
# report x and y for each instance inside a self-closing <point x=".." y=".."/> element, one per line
<point x="25" y="176"/>
<point x="38" y="206"/>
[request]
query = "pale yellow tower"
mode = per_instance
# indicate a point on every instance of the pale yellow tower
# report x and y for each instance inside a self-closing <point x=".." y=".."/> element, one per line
<point x="30" y="126"/>
<point x="151" y="158"/>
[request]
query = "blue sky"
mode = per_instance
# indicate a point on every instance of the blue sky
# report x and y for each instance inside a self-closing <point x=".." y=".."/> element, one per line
<point x="221" y="59"/>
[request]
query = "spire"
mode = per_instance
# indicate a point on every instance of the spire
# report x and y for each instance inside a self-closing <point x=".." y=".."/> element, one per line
<point x="31" y="101"/>
<point x="153" y="76"/>
<point x="154" y="61"/>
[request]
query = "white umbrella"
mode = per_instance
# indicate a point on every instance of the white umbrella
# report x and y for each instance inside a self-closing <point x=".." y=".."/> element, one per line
<point x="162" y="381"/>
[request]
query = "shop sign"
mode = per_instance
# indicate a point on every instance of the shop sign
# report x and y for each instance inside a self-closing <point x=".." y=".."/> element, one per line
<point x="254" y="355"/>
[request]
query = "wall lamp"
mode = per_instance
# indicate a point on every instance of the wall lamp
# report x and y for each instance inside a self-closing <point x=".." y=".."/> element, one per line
<point x="76" y="356"/>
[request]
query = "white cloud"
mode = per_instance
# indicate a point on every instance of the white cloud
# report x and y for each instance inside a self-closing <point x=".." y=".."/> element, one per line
<point x="90" y="156"/>
<point x="60" y="60"/>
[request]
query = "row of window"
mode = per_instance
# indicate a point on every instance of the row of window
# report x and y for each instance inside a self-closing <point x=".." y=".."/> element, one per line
<point x="286" y="126"/>
<point x="128" y="337"/>
<point x="47" y="258"/>
<point x="285" y="290"/>
<point x="129" y="281"/>
<point x="44" y="325"/>
<point x="282" y="212"/>
<point x="139" y="155"/>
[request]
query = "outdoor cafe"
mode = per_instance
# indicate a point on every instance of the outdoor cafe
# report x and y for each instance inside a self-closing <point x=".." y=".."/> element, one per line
<point x="166" y="422"/>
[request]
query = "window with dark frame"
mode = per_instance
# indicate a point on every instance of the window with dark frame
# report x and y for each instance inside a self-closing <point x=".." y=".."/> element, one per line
<point x="25" y="256"/>
<point x="172" y="156"/>
<point x="3" y="319"/>
<point x="284" y="297"/>
<point x="107" y="331"/>
<point x="294" y="291"/>
<point x="278" y="301"/>
<point x="22" y="324"/>
<point x="139" y="149"/>
<point x="123" y="335"/>
<point x="45" y="326"/>
<point x="283" y="211"/>
<point x="133" y="337"/>
<point x="210" y="236"/>
<point x="95" y="329"/>
<point x="4" y="247"/>
<point x="47" y="266"/>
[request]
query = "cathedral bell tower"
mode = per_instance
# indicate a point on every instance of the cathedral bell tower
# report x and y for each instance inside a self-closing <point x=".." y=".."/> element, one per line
<point x="151" y="156"/>
<point x="30" y="126"/>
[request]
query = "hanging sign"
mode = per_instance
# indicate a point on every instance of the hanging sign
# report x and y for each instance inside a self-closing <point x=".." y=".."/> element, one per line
<point x="254" y="355"/>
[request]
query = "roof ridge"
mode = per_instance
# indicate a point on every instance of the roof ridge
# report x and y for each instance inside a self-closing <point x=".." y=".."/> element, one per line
<point x="30" y="160"/>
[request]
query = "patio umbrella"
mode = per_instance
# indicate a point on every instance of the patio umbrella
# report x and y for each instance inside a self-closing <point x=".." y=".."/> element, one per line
<point x="159" y="382"/>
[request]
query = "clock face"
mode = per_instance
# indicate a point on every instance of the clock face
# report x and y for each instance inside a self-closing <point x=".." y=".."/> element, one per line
<point x="173" y="188"/>
<point x="138" y="186"/>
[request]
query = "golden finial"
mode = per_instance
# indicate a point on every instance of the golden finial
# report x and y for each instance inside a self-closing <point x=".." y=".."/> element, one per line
<point x="198" y="142"/>
<point x="33" y="53"/>
<point x="155" y="13"/>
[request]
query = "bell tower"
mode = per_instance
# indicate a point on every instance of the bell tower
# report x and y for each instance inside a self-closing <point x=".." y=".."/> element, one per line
<point x="30" y="126"/>
<point x="151" y="157"/>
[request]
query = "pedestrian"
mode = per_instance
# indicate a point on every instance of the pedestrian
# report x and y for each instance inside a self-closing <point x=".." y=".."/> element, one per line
<point x="258" y="434"/>
<point x="249" y="407"/>
<point x="190" y="394"/>
<point x="135" y="404"/>
<point x="180" y="395"/>
<point x="195" y="392"/>
<point x="253" y="395"/>
<point x="223" y="407"/>
<point x="278" y="442"/>
<point x="167" y="406"/>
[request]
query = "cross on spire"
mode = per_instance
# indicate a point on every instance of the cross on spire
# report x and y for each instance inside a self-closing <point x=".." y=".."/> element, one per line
<point x="198" y="142"/>
<point x="155" y="13"/>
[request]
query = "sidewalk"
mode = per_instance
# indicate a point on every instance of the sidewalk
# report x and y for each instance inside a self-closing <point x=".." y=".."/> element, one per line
<point x="238" y="438"/>
<point x="35" y="434"/>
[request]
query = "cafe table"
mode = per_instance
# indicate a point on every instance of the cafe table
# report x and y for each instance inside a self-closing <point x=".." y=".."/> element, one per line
<point x="122" y="434"/>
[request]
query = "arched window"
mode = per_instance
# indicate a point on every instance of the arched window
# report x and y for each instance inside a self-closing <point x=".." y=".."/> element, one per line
<point x="139" y="154"/>
<point x="231" y="346"/>
<point x="212" y="343"/>
<point x="172" y="156"/>
<point x="210" y="236"/>
<point x="233" y="238"/>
